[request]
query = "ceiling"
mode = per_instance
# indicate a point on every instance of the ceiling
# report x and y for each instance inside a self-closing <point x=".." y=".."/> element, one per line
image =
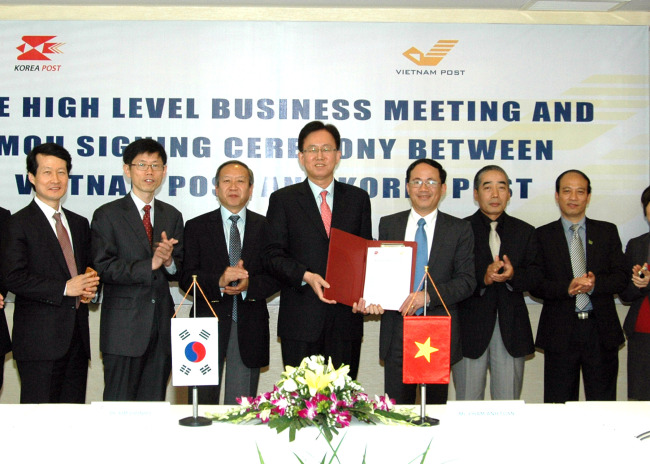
<point x="513" y="5"/>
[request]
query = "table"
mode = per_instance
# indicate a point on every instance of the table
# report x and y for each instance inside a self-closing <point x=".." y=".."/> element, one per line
<point x="102" y="433"/>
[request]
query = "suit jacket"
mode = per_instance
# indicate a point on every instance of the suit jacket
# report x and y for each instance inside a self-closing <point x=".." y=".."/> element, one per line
<point x="34" y="269"/>
<point x="636" y="252"/>
<point x="133" y="294"/>
<point x="553" y="274"/>
<point x="299" y="243"/>
<point x="451" y="265"/>
<point x="5" y="340"/>
<point x="206" y="256"/>
<point x="478" y="313"/>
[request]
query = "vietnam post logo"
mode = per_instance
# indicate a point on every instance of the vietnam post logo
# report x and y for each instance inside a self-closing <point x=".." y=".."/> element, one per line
<point x="433" y="56"/>
<point x="37" y="47"/>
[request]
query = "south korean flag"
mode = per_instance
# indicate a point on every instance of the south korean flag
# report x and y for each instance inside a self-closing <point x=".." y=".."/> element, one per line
<point x="195" y="351"/>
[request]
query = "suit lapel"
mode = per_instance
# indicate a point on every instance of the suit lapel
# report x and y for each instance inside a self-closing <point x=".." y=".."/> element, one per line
<point x="132" y="218"/>
<point x="51" y="241"/>
<point x="562" y="247"/>
<point x="217" y="236"/>
<point x="75" y="233"/>
<point x="591" y="239"/>
<point x="398" y="231"/>
<point x="338" y="212"/>
<point x="308" y="203"/>
<point x="250" y="232"/>
<point x="436" y="245"/>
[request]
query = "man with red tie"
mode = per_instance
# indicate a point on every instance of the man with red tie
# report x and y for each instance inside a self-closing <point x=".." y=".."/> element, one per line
<point x="300" y="218"/>
<point x="137" y="246"/>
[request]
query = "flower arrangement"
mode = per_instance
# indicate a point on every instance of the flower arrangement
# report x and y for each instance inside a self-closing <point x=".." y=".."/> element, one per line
<point x="315" y="393"/>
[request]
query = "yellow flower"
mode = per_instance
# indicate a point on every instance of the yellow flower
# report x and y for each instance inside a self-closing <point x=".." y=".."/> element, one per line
<point x="340" y="376"/>
<point x="317" y="382"/>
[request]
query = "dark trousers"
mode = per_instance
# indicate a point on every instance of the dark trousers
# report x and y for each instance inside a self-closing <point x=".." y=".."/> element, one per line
<point x="329" y="344"/>
<point x="142" y="378"/>
<point x="56" y="381"/>
<point x="599" y="367"/>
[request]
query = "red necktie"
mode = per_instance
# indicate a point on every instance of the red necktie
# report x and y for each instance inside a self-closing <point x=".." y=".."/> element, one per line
<point x="146" y="220"/>
<point x="66" y="247"/>
<point x="325" y="213"/>
<point x="643" y="319"/>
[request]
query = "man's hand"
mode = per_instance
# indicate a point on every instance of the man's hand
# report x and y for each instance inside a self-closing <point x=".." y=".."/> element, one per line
<point x="637" y="271"/>
<point x="317" y="283"/>
<point x="412" y="303"/>
<point x="162" y="254"/>
<point x="582" y="284"/>
<point x="2" y="301"/>
<point x="236" y="274"/>
<point x="83" y="285"/>
<point x="499" y="271"/>
<point x="361" y="307"/>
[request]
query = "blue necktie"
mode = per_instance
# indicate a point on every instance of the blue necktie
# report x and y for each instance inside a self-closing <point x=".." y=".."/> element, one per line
<point x="235" y="256"/>
<point x="421" y="258"/>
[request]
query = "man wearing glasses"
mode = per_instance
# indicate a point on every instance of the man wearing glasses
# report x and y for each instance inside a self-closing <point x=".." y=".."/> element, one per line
<point x="137" y="245"/>
<point x="447" y="247"/>
<point x="300" y="218"/>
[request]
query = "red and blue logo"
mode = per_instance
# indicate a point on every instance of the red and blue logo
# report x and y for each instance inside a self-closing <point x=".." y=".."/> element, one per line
<point x="195" y="352"/>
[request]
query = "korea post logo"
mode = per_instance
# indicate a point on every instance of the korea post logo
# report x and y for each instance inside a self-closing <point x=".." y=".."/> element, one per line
<point x="425" y="61"/>
<point x="38" y="48"/>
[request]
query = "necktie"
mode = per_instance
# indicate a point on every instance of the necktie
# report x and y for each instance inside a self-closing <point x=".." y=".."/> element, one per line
<point x="146" y="221"/>
<point x="235" y="255"/>
<point x="325" y="212"/>
<point x="578" y="264"/>
<point x="642" y="324"/>
<point x="494" y="241"/>
<point x="66" y="246"/>
<point x="421" y="258"/>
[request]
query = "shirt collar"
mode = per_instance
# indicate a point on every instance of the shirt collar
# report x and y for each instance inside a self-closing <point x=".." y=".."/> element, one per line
<point x="566" y="224"/>
<point x="429" y="218"/>
<point x="316" y="190"/>
<point x="139" y="203"/>
<point x="487" y="221"/>
<point x="47" y="209"/>
<point x="226" y="213"/>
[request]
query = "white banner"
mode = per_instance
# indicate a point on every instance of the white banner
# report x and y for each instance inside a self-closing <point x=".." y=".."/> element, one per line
<point x="534" y="99"/>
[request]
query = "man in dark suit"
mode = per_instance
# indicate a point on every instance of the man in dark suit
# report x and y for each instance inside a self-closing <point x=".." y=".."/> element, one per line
<point x="5" y="340"/>
<point x="450" y="244"/>
<point x="228" y="271"/>
<point x="300" y="217"/>
<point x="494" y="324"/>
<point x="46" y="250"/>
<point x="137" y="245"/>
<point x="579" y="328"/>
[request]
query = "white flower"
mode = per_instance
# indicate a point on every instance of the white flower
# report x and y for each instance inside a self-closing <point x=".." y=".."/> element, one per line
<point x="289" y="385"/>
<point x="265" y="414"/>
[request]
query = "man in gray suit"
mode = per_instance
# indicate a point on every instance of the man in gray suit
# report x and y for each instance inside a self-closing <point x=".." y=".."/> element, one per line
<point x="450" y="244"/>
<point x="137" y="245"/>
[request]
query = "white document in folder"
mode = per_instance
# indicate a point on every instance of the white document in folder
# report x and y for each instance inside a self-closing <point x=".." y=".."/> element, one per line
<point x="388" y="276"/>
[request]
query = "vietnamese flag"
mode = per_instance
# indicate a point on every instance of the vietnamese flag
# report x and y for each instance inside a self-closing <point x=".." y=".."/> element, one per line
<point x="427" y="343"/>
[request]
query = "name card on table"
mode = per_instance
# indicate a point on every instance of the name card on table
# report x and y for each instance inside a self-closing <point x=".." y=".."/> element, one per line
<point x="484" y="410"/>
<point x="131" y="410"/>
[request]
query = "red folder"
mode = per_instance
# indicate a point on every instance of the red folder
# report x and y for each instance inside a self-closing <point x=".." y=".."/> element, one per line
<point x="346" y="265"/>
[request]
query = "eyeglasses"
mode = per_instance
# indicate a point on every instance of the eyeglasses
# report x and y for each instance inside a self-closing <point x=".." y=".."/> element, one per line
<point x="313" y="150"/>
<point x="145" y="166"/>
<point x="417" y="183"/>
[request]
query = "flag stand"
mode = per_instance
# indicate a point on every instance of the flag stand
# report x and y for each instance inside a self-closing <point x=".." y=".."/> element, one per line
<point x="424" y="419"/>
<point x="195" y="420"/>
